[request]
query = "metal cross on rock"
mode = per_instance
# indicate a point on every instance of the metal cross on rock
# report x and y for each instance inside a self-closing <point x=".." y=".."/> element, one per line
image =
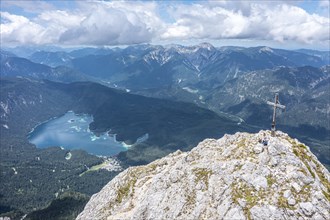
<point x="276" y="105"/>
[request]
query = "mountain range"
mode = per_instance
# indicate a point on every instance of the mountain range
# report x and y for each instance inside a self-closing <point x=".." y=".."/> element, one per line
<point x="178" y="95"/>
<point x="232" y="81"/>
<point x="203" y="60"/>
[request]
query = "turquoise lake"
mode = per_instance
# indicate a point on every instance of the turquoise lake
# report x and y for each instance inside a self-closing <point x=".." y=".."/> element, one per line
<point x="71" y="131"/>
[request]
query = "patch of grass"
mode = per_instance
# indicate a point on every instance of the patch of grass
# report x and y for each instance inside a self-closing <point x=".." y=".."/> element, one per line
<point x="125" y="190"/>
<point x="303" y="171"/>
<point x="270" y="180"/>
<point x="302" y="146"/>
<point x="300" y="151"/>
<point x="303" y="195"/>
<point x="282" y="202"/>
<point x="327" y="195"/>
<point x="238" y="167"/>
<point x="152" y="166"/>
<point x="142" y="170"/>
<point x="191" y="198"/>
<point x="322" y="178"/>
<point x="309" y="169"/>
<point x="202" y="174"/>
<point x="291" y="141"/>
<point x="247" y="193"/>
<point x="241" y="143"/>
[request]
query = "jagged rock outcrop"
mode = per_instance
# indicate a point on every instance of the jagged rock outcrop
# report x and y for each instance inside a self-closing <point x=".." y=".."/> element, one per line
<point x="235" y="177"/>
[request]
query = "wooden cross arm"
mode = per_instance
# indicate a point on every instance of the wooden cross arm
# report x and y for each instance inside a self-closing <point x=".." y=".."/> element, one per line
<point x="276" y="105"/>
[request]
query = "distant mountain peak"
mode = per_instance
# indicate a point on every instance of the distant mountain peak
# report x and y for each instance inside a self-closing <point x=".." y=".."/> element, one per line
<point x="241" y="176"/>
<point x="266" y="49"/>
<point x="206" y="46"/>
<point x="190" y="49"/>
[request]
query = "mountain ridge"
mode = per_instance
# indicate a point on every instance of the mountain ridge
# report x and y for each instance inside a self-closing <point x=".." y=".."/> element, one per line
<point x="235" y="177"/>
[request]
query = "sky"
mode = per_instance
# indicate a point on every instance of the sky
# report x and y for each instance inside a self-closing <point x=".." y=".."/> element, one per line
<point x="280" y="24"/>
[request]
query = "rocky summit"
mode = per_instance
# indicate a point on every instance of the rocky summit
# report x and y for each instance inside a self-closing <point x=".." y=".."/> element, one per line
<point x="240" y="176"/>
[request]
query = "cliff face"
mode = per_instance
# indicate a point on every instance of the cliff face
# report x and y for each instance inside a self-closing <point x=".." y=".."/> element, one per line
<point x="235" y="177"/>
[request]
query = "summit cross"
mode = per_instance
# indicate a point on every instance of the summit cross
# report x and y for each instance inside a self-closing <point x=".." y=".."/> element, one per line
<point x="276" y="105"/>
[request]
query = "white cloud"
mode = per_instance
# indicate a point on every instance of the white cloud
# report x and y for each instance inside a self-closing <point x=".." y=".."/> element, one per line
<point x="280" y="22"/>
<point x="292" y="23"/>
<point x="129" y="22"/>
<point x="60" y="18"/>
<point x="19" y="29"/>
<point x="44" y="29"/>
<point x="94" y="23"/>
<point x="111" y="24"/>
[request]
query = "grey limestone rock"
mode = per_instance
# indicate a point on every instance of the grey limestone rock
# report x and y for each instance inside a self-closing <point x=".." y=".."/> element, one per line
<point x="258" y="148"/>
<point x="287" y="193"/>
<point x="291" y="201"/>
<point x="234" y="177"/>
<point x="307" y="208"/>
